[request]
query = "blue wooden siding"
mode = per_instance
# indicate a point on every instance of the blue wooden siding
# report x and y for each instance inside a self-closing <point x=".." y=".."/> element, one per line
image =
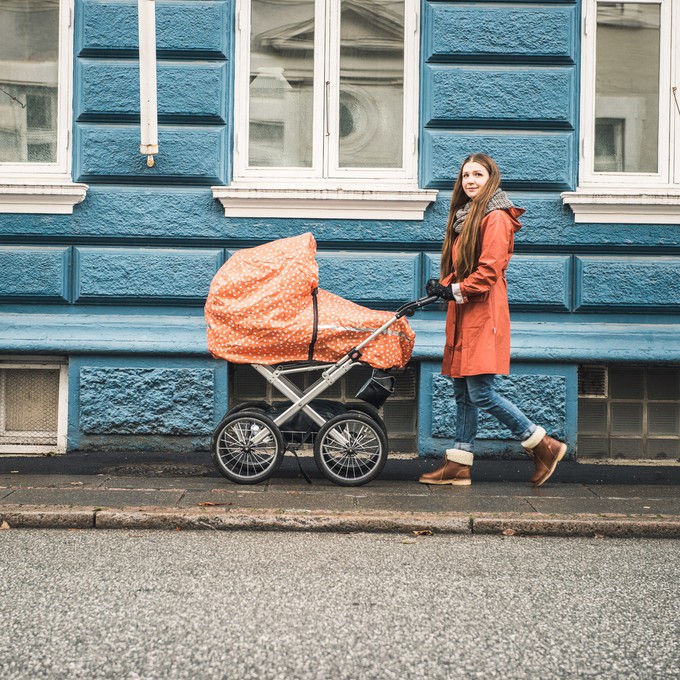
<point x="119" y="285"/>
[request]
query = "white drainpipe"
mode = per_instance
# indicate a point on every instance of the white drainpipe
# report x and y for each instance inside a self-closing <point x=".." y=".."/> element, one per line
<point x="147" y="79"/>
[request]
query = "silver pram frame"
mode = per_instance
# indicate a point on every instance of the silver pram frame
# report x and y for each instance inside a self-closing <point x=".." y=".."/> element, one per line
<point x="350" y="448"/>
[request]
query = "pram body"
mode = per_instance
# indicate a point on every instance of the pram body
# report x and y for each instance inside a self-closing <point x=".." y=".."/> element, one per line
<point x="264" y="308"/>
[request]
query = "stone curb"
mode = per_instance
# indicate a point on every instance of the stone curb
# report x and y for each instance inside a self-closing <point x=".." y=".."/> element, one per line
<point x="52" y="517"/>
<point x="280" y="521"/>
<point x="583" y="526"/>
<point x="67" y="517"/>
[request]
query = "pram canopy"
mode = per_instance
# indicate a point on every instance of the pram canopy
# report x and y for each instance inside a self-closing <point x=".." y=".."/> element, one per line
<point x="264" y="307"/>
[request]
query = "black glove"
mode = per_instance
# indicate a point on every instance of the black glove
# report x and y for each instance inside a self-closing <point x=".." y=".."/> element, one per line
<point x="433" y="287"/>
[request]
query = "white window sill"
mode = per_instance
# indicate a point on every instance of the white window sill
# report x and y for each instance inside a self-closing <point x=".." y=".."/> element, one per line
<point x="624" y="205"/>
<point x="385" y="203"/>
<point x="52" y="199"/>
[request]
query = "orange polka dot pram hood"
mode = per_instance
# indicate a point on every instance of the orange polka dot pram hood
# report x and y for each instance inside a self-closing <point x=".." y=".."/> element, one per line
<point x="260" y="310"/>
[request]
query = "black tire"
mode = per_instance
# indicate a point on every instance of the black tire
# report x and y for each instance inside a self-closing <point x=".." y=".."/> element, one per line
<point x="234" y="455"/>
<point x="358" y="461"/>
<point x="259" y="406"/>
<point x="370" y="411"/>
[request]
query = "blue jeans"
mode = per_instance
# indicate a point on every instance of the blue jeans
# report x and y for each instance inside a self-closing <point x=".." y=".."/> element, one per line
<point x="476" y="392"/>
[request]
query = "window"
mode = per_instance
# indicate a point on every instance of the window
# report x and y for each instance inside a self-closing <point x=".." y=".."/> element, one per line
<point x="630" y="113"/>
<point x="35" y="111"/>
<point x="629" y="412"/>
<point x="33" y="407"/>
<point x="326" y="97"/>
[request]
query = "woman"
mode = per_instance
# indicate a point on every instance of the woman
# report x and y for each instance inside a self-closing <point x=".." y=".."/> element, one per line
<point x="477" y="249"/>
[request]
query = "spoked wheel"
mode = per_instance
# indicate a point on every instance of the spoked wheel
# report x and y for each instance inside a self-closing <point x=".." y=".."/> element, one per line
<point x="351" y="449"/>
<point x="371" y="411"/>
<point x="247" y="447"/>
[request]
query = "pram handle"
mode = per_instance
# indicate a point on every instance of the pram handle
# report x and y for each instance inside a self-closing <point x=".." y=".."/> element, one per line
<point x="409" y="309"/>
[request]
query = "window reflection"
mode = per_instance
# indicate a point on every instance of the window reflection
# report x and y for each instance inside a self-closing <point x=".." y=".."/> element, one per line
<point x="371" y="83"/>
<point x="281" y="83"/>
<point x="367" y="83"/>
<point x="627" y="87"/>
<point x="29" y="49"/>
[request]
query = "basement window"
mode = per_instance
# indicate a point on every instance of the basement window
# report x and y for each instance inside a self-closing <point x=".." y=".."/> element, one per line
<point x="629" y="412"/>
<point x="33" y="408"/>
<point x="399" y="411"/>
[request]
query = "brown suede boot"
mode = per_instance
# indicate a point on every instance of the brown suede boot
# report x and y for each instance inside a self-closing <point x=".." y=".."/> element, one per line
<point x="546" y="452"/>
<point x="455" y="470"/>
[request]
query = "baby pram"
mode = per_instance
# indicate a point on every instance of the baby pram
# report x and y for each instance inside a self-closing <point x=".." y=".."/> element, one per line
<point x="264" y="308"/>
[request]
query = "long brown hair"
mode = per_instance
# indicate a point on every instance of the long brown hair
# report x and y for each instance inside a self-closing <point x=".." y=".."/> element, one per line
<point x="469" y="244"/>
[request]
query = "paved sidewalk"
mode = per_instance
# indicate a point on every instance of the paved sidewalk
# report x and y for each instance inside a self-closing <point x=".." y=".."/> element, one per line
<point x="169" y="491"/>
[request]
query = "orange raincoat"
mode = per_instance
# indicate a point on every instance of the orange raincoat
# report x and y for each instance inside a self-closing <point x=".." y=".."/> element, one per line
<point x="260" y="310"/>
<point x="478" y="331"/>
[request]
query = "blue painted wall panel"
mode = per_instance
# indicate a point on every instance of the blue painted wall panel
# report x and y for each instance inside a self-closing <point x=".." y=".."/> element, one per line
<point x="542" y="281"/>
<point x="540" y="397"/>
<point x="628" y="283"/>
<point x="528" y="160"/>
<point x="153" y="401"/>
<point x="187" y="155"/>
<point x="111" y="88"/>
<point x="177" y="400"/>
<point x="115" y="274"/>
<point x="475" y="30"/>
<point x="40" y="273"/>
<point x="191" y="214"/>
<point x="494" y="96"/>
<point x="547" y="394"/>
<point x="180" y="26"/>
<point x="370" y="277"/>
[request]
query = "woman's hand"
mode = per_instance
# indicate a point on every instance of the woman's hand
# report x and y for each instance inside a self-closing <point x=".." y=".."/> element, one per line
<point x="433" y="287"/>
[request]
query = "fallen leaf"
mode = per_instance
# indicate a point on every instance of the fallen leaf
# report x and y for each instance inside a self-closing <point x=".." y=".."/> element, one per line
<point x="4" y="526"/>
<point x="598" y="534"/>
<point x="509" y="532"/>
<point x="422" y="532"/>
<point x="210" y="504"/>
<point x="410" y="541"/>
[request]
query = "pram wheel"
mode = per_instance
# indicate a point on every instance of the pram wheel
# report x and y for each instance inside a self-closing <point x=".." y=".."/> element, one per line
<point x="247" y="447"/>
<point x="350" y="449"/>
<point x="370" y="411"/>
<point x="258" y="406"/>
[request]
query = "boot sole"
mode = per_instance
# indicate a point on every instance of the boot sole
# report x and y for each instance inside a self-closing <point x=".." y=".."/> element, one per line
<point x="546" y="477"/>
<point x="452" y="482"/>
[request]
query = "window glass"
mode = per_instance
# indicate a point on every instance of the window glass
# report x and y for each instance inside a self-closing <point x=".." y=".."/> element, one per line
<point x="627" y="87"/>
<point x="281" y="83"/>
<point x="371" y="84"/>
<point x="29" y="50"/>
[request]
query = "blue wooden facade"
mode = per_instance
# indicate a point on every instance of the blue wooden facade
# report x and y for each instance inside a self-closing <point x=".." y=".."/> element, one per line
<point x="118" y="286"/>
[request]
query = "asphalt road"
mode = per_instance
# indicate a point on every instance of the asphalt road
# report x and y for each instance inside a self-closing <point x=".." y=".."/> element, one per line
<point x="165" y="605"/>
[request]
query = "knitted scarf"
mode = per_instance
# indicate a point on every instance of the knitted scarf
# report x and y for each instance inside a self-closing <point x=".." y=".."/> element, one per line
<point x="498" y="201"/>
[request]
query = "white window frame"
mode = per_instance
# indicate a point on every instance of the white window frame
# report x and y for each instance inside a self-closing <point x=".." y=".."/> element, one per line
<point x="651" y="198"/>
<point x="48" y="187"/>
<point x="62" y="413"/>
<point x="328" y="190"/>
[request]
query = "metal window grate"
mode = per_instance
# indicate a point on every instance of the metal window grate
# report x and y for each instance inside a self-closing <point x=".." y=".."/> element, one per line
<point x="399" y="412"/>
<point x="29" y="406"/>
<point x="592" y="381"/>
<point x="629" y="412"/>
